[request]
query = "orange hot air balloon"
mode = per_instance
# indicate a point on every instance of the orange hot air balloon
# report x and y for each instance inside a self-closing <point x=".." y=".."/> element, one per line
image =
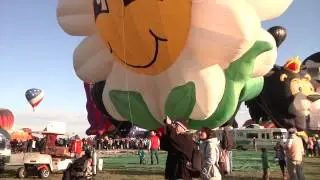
<point x="6" y="119"/>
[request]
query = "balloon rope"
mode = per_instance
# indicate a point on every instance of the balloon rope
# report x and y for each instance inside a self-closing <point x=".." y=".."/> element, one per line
<point x="125" y="59"/>
<point x="266" y="110"/>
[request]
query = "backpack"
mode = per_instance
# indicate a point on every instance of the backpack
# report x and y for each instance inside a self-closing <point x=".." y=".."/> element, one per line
<point x="223" y="162"/>
<point x="196" y="164"/>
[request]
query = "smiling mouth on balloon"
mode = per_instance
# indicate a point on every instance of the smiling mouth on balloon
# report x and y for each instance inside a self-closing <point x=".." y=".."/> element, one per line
<point x="157" y="39"/>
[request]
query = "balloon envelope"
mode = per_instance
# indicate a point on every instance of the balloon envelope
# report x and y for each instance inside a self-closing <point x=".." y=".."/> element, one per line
<point x="6" y="119"/>
<point x="5" y="134"/>
<point x="160" y="58"/>
<point x="279" y="33"/>
<point x="34" y="97"/>
<point x="99" y="119"/>
<point x="20" y="135"/>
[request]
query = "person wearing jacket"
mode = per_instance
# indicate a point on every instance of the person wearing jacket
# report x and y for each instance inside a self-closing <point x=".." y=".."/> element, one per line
<point x="210" y="149"/>
<point x="154" y="146"/>
<point x="295" y="152"/>
<point x="227" y="145"/>
<point x="179" y="145"/>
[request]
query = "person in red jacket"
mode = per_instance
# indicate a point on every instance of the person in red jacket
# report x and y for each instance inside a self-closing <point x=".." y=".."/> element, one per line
<point x="76" y="146"/>
<point x="154" y="146"/>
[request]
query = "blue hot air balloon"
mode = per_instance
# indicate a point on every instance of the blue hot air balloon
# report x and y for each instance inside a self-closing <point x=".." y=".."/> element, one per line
<point x="34" y="97"/>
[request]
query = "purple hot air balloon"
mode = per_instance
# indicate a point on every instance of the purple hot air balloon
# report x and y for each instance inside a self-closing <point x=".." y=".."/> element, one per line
<point x="99" y="123"/>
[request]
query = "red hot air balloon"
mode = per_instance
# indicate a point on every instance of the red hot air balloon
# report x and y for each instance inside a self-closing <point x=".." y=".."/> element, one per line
<point x="6" y="119"/>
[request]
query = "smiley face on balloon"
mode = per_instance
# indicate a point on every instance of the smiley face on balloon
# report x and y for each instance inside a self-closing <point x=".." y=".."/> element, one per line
<point x="130" y="26"/>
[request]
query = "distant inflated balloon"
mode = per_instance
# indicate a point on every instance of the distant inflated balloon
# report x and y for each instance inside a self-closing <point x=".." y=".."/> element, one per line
<point x="279" y="33"/>
<point x="34" y="97"/>
<point x="6" y="119"/>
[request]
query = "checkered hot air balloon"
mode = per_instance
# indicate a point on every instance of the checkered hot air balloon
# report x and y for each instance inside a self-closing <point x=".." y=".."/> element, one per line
<point x="34" y="97"/>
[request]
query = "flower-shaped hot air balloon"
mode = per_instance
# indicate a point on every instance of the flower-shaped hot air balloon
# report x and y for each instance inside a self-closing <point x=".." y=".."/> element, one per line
<point x="6" y="119"/>
<point x="34" y="97"/>
<point x="183" y="59"/>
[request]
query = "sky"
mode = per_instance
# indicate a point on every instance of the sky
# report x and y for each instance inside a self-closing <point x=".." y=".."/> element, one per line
<point x="36" y="53"/>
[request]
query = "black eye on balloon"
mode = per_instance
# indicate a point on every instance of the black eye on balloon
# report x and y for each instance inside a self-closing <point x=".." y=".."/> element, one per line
<point x="127" y="2"/>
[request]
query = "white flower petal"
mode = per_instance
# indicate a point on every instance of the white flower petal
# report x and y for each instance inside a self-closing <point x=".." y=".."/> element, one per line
<point x="266" y="60"/>
<point x="269" y="9"/>
<point x="209" y="82"/>
<point x="76" y="17"/>
<point x="124" y="79"/>
<point x="92" y="59"/>
<point x="222" y="30"/>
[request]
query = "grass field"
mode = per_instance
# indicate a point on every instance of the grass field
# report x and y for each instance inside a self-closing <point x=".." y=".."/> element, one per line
<point x="247" y="165"/>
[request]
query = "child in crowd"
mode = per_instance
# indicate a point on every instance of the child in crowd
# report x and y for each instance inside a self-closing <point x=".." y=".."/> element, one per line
<point x="281" y="158"/>
<point x="265" y="164"/>
<point x="141" y="155"/>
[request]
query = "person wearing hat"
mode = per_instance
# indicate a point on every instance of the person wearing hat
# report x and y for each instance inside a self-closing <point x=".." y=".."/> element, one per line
<point x="179" y="145"/>
<point x="295" y="153"/>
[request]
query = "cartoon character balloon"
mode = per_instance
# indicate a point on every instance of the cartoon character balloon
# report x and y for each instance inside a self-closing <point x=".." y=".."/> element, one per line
<point x="312" y="66"/>
<point x="34" y="97"/>
<point x="288" y="98"/>
<point x="183" y="59"/>
<point x="6" y="119"/>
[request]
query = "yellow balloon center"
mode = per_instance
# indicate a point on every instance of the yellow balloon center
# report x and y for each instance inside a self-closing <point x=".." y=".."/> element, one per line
<point x="146" y="36"/>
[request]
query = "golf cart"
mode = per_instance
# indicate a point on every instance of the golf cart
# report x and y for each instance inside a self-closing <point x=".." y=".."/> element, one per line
<point x="5" y="149"/>
<point x="53" y="159"/>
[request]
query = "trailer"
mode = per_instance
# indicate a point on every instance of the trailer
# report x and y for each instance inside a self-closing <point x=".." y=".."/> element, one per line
<point x="243" y="138"/>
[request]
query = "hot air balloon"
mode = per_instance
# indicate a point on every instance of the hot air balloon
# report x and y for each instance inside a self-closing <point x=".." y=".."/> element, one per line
<point x="99" y="119"/>
<point x="34" y="97"/>
<point x="99" y="123"/>
<point x="96" y="94"/>
<point x="5" y="134"/>
<point x="6" y="119"/>
<point x="279" y="33"/>
<point x="288" y="98"/>
<point x="172" y="58"/>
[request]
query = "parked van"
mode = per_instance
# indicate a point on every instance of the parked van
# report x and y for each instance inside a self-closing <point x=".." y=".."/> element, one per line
<point x="264" y="137"/>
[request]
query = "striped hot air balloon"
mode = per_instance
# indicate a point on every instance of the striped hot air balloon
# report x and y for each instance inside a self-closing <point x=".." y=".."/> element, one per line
<point x="34" y="97"/>
<point x="6" y="119"/>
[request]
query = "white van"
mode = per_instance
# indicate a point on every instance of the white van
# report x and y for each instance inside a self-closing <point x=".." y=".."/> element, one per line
<point x="5" y="148"/>
<point x="264" y="137"/>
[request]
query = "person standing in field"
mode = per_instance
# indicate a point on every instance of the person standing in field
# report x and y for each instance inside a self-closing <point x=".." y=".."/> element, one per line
<point x="281" y="157"/>
<point x="265" y="164"/>
<point x="179" y="145"/>
<point x="210" y="151"/>
<point x="295" y="152"/>
<point x="227" y="145"/>
<point x="154" y="146"/>
<point x="254" y="143"/>
<point x="318" y="145"/>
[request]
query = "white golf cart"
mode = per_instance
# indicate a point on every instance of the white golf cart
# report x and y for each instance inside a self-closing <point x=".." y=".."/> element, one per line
<point x="5" y="149"/>
<point x="54" y="159"/>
